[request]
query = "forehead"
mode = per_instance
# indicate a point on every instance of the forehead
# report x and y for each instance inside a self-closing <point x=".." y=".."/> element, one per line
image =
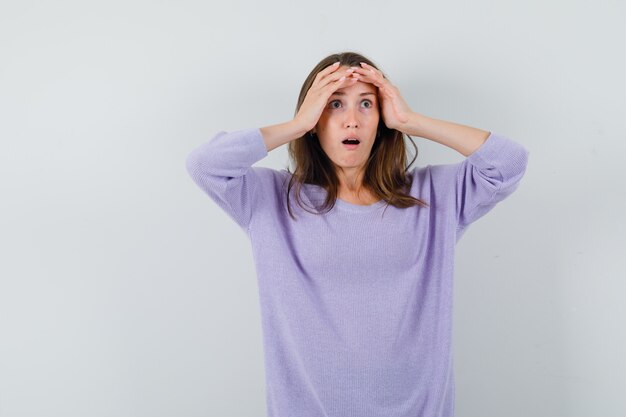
<point x="359" y="88"/>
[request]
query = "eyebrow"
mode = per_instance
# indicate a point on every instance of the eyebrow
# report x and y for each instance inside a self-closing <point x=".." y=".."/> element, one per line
<point x="340" y="93"/>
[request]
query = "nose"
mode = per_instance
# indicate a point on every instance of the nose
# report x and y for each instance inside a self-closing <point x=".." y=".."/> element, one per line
<point x="351" y="118"/>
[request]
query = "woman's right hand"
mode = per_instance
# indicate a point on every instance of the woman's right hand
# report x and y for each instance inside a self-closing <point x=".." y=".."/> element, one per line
<point x="326" y="82"/>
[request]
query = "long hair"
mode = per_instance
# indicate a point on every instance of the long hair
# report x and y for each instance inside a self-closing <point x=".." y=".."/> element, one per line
<point x="386" y="169"/>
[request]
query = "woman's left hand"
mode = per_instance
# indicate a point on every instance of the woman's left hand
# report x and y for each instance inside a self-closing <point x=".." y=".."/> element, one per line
<point x="395" y="111"/>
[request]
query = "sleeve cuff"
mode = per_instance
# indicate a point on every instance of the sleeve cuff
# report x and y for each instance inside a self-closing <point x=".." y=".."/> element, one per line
<point x="258" y="144"/>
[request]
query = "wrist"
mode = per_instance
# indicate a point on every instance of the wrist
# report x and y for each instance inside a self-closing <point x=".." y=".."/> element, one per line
<point x="414" y="124"/>
<point x="279" y="134"/>
<point x="299" y="127"/>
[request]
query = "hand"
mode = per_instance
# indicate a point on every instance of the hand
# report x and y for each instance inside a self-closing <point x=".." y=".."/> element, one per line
<point x="395" y="111"/>
<point x="326" y="82"/>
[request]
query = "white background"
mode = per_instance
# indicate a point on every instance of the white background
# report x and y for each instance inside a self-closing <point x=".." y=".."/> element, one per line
<point x="125" y="291"/>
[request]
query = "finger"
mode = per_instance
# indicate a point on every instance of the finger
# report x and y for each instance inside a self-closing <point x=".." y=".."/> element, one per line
<point x="333" y="78"/>
<point x="341" y="82"/>
<point x="377" y="80"/>
<point x="331" y="69"/>
<point x="371" y="78"/>
<point x="375" y="70"/>
<point x="371" y="73"/>
<point x="345" y="79"/>
<point x="327" y="70"/>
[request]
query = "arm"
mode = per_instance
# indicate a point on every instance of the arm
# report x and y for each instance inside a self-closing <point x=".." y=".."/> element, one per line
<point x="492" y="169"/>
<point x="487" y="176"/>
<point x="222" y="168"/>
<point x="279" y="134"/>
<point x="326" y="82"/>
<point x="398" y="115"/>
<point x="464" y="139"/>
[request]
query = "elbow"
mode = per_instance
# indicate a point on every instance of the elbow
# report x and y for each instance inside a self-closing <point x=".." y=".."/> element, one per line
<point x="193" y="163"/>
<point x="517" y="170"/>
<point x="519" y="162"/>
<point x="524" y="160"/>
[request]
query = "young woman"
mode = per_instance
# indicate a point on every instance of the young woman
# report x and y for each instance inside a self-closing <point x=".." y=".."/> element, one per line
<point x="354" y="251"/>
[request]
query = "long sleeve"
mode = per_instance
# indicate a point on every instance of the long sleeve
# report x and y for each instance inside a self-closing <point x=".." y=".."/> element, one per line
<point x="355" y="303"/>
<point x="488" y="176"/>
<point x="222" y="168"/>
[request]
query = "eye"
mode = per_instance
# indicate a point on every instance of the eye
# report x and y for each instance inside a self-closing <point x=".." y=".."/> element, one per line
<point x="332" y="106"/>
<point x="369" y="103"/>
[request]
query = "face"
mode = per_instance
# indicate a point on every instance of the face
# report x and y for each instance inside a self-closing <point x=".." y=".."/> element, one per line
<point x="351" y="112"/>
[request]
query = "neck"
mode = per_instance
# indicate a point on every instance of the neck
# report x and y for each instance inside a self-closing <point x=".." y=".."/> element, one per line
<point x="351" y="187"/>
<point x="350" y="180"/>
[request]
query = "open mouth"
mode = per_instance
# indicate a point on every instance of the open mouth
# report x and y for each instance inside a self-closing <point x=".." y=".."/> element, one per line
<point x="351" y="143"/>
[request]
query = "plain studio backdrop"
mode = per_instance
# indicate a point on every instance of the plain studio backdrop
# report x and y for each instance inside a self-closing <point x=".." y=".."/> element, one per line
<point x="125" y="291"/>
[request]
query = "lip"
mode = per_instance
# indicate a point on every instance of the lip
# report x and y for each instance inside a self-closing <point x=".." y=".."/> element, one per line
<point x="351" y="146"/>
